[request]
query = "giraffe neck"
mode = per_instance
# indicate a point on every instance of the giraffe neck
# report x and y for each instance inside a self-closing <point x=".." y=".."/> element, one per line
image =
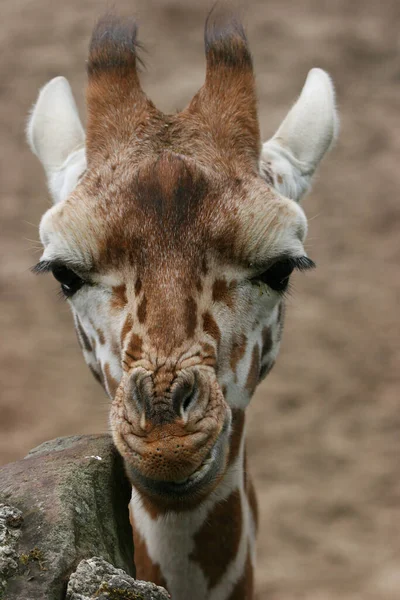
<point x="207" y="553"/>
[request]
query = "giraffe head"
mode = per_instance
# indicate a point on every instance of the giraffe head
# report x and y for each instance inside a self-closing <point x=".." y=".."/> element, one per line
<point x="173" y="238"/>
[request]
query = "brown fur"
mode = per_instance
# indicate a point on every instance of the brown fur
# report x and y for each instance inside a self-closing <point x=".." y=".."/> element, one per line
<point x="100" y="336"/>
<point x="138" y="286"/>
<point x="113" y="86"/>
<point x="219" y="536"/>
<point x="227" y="101"/>
<point x="119" y="299"/>
<point x="191" y="316"/>
<point x="134" y="349"/>
<point x="210" y="327"/>
<point x="142" y="310"/>
<point x="221" y="292"/>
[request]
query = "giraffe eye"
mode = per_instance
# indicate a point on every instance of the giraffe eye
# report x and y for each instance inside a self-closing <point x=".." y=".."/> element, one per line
<point x="277" y="276"/>
<point x="70" y="281"/>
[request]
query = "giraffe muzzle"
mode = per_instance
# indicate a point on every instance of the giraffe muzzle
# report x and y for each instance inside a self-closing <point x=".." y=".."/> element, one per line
<point x="175" y="442"/>
<point x="204" y="478"/>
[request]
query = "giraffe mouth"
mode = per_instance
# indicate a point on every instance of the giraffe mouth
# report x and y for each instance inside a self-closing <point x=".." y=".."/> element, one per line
<point x="200" y="472"/>
<point x="204" y="477"/>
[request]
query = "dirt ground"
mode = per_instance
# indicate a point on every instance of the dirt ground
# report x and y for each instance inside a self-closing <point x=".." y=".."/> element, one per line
<point x="324" y="429"/>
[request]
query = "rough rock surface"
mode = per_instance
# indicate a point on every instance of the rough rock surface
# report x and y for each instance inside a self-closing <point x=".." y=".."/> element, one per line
<point x="10" y="524"/>
<point x="73" y="496"/>
<point x="96" y="578"/>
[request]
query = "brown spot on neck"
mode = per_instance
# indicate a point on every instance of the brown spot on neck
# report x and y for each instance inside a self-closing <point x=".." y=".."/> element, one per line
<point x="210" y="327"/>
<point x="119" y="298"/>
<point x="217" y="541"/>
<point x="254" y="371"/>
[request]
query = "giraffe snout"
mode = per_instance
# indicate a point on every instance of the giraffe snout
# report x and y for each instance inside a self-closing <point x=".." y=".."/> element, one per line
<point x="172" y="428"/>
<point x="162" y="398"/>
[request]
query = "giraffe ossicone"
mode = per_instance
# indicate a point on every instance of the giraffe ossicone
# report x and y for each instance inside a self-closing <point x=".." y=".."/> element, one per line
<point x="173" y="238"/>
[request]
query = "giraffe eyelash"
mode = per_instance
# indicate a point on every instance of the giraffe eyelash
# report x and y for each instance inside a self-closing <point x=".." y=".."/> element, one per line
<point x="67" y="277"/>
<point x="277" y="275"/>
<point x="43" y="266"/>
<point x="302" y="263"/>
<point x="47" y="266"/>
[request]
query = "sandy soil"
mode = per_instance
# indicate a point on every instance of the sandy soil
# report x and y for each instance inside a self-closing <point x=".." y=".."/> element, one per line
<point x="324" y="429"/>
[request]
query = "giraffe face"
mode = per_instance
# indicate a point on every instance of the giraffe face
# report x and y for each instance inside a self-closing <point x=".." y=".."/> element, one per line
<point x="173" y="241"/>
<point x="175" y="277"/>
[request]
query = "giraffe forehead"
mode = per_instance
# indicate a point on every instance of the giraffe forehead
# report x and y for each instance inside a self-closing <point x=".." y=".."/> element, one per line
<point x="171" y="212"/>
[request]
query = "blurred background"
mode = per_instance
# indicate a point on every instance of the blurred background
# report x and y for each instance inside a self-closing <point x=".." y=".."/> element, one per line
<point x="324" y="429"/>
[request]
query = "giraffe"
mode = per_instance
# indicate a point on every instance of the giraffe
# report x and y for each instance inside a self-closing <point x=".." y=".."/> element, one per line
<point x="173" y="238"/>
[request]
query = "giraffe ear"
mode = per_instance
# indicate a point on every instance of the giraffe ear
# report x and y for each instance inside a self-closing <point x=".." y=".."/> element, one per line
<point x="290" y="158"/>
<point x="55" y="134"/>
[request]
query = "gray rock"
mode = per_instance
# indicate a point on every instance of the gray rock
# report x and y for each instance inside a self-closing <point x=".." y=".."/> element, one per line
<point x="96" y="578"/>
<point x="10" y="532"/>
<point x="63" y="443"/>
<point x="73" y="495"/>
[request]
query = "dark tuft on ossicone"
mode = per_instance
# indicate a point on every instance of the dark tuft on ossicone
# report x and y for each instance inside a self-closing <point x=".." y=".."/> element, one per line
<point x="113" y="45"/>
<point x="226" y="43"/>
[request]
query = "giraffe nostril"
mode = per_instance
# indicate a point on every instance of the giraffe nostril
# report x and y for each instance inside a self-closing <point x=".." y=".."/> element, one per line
<point x="184" y="395"/>
<point x="152" y="402"/>
<point x="188" y="400"/>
